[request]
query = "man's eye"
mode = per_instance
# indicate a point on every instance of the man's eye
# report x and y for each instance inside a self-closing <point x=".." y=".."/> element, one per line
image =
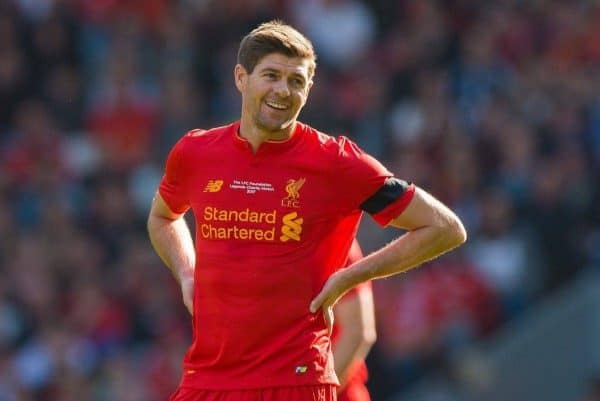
<point x="298" y="82"/>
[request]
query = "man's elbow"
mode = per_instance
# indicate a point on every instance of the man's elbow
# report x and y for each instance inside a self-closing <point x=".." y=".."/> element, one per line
<point x="364" y="340"/>
<point x="152" y="220"/>
<point x="455" y="232"/>
<point x="155" y="223"/>
<point x="369" y="337"/>
<point x="149" y="224"/>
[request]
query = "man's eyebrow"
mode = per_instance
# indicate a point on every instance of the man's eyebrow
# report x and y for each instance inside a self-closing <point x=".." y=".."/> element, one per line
<point x="269" y="69"/>
<point x="275" y="70"/>
<point x="298" y="75"/>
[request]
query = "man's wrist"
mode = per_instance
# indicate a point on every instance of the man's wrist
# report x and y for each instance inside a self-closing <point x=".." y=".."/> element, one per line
<point x="352" y="276"/>
<point x="358" y="273"/>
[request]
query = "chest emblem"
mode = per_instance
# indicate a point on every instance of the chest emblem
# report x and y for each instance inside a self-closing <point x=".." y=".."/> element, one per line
<point x="293" y="192"/>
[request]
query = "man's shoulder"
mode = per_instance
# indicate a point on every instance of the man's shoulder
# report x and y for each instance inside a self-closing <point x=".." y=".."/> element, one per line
<point x="202" y="135"/>
<point x="200" y="142"/>
<point x="327" y="141"/>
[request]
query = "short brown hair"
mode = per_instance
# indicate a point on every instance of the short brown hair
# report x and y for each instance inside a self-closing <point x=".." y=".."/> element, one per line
<point x="274" y="37"/>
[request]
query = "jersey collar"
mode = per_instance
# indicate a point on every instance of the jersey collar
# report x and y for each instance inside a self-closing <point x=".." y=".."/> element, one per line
<point x="268" y="146"/>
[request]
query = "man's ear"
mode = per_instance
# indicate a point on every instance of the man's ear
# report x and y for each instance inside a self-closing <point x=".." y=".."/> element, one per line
<point x="307" y="91"/>
<point x="240" y="75"/>
<point x="310" y="84"/>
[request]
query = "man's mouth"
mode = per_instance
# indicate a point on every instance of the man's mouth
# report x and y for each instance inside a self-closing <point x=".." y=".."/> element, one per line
<point x="276" y="105"/>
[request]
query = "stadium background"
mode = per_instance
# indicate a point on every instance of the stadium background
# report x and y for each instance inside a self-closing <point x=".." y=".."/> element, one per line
<point x="492" y="106"/>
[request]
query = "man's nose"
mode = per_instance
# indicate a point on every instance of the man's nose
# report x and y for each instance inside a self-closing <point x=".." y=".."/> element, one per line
<point x="282" y="89"/>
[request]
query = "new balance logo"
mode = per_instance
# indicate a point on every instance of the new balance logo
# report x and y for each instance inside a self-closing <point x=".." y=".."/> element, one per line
<point x="292" y="227"/>
<point x="213" y="186"/>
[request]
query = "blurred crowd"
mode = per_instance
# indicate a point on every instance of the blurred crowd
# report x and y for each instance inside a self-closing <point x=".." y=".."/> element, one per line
<point x="494" y="107"/>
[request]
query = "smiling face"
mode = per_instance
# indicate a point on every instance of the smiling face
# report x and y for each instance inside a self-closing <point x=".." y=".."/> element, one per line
<point x="274" y="93"/>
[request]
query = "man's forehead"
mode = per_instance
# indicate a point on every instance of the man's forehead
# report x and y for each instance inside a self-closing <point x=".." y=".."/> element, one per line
<point x="278" y="61"/>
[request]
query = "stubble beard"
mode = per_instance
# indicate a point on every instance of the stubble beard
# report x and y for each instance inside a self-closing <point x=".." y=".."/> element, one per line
<point x="269" y="125"/>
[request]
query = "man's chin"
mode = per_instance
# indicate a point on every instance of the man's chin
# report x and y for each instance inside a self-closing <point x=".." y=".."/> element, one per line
<point x="273" y="126"/>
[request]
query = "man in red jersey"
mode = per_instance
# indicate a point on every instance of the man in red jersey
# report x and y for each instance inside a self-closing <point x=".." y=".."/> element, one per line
<point x="277" y="205"/>
<point x="353" y="335"/>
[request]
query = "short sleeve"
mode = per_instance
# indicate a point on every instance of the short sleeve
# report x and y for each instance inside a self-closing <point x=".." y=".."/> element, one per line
<point x="368" y="185"/>
<point x="358" y="175"/>
<point x="172" y="187"/>
<point x="389" y="201"/>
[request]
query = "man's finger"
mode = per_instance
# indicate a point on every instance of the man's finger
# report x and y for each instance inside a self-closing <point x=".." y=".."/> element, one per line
<point x="316" y="303"/>
<point x="328" y="312"/>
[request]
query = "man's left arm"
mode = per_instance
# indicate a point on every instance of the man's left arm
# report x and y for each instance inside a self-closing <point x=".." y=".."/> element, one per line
<point x="432" y="229"/>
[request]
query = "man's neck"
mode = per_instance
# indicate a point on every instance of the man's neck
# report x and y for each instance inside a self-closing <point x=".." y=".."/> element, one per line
<point x="256" y="136"/>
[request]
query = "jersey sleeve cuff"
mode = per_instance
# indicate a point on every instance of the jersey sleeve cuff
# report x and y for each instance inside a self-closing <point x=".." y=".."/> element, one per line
<point x="166" y="195"/>
<point x="395" y="208"/>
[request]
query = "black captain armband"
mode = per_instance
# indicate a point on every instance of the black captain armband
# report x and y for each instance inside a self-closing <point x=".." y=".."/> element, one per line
<point x="390" y="191"/>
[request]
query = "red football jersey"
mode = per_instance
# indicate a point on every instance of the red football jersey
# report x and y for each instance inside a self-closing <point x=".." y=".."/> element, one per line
<point x="271" y="227"/>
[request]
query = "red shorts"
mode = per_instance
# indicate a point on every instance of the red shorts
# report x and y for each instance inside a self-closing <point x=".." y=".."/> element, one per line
<point x="325" y="392"/>
<point x="354" y="392"/>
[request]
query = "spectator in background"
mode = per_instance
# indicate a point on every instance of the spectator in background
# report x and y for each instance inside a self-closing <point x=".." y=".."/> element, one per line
<point x="15" y="70"/>
<point x="441" y="307"/>
<point x="354" y="33"/>
<point x="123" y="120"/>
<point x="553" y="217"/>
<point x="63" y="92"/>
<point x="499" y="254"/>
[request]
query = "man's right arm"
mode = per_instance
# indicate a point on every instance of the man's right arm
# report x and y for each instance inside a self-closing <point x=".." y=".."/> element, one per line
<point x="172" y="241"/>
